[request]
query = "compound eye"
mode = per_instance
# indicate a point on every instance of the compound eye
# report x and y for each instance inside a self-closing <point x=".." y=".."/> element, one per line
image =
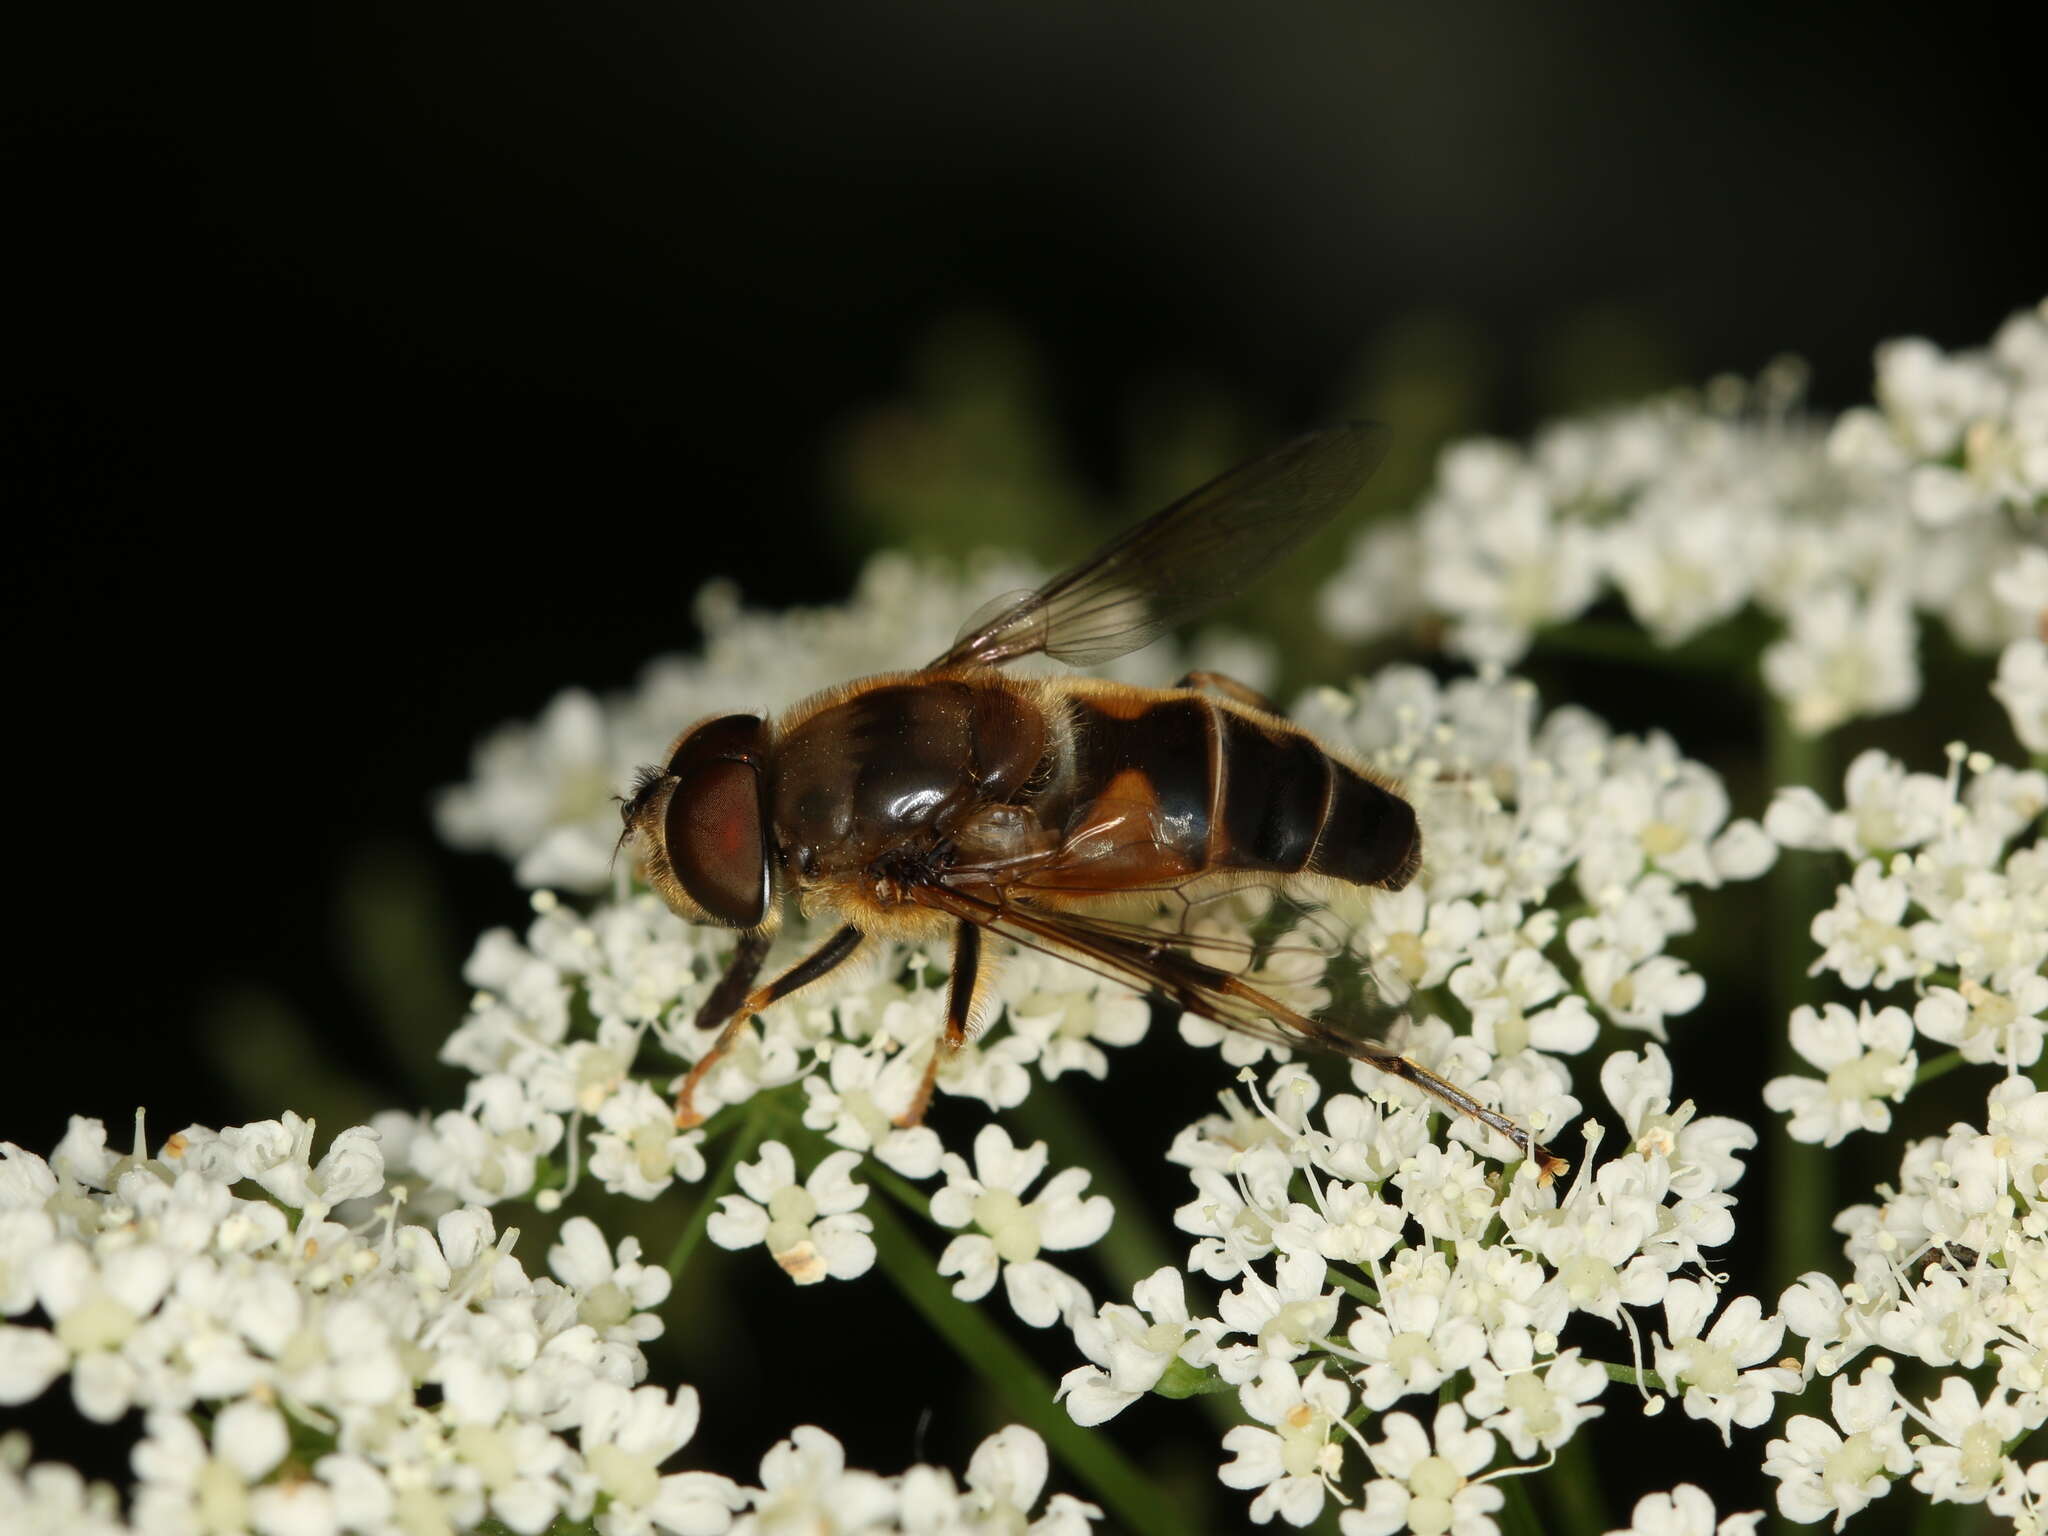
<point x="716" y="842"/>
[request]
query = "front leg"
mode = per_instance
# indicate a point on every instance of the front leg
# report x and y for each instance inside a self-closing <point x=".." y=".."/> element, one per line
<point x="731" y="1004"/>
<point x="960" y="999"/>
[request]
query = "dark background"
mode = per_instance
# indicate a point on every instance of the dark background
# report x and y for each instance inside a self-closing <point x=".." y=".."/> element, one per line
<point x="373" y="372"/>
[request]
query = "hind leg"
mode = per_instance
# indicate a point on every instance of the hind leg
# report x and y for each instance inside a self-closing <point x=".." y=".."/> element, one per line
<point x="1231" y="689"/>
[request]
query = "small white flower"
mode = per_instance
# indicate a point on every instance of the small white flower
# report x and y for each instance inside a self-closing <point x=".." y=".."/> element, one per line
<point x="1534" y="1408"/>
<point x="626" y="1436"/>
<point x="1823" y="1470"/>
<point x="185" y="1483"/>
<point x="1004" y="1479"/>
<point x="1713" y="1371"/>
<point x="2022" y="687"/>
<point x="1869" y="1060"/>
<point x="1427" y="1487"/>
<point x="491" y="1149"/>
<point x="1886" y="810"/>
<point x="51" y="1499"/>
<point x="639" y="1151"/>
<point x="616" y="1298"/>
<point x="1685" y="1511"/>
<point x="1011" y="1232"/>
<point x="813" y="1229"/>
<point x="1844" y="657"/>
<point x="1131" y="1351"/>
<point x="1294" y="1462"/>
<point x="1418" y="1337"/>
<point x="1284" y="1318"/>
<point x="542" y="795"/>
<point x="1988" y="1026"/>
<point x="1069" y="1015"/>
<point x="1970" y="1459"/>
<point x="1863" y="935"/>
<point x="856" y="1101"/>
<point x="806" y="1486"/>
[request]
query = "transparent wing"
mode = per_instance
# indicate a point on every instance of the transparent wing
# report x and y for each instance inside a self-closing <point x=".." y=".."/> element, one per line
<point x="1180" y="967"/>
<point x="1205" y="548"/>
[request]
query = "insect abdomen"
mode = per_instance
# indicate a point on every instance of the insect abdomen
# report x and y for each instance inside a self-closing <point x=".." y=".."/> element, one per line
<point x="1223" y="789"/>
<point x="1289" y="807"/>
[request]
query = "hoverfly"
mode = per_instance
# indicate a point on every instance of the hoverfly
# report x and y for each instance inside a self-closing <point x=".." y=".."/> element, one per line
<point x="961" y="802"/>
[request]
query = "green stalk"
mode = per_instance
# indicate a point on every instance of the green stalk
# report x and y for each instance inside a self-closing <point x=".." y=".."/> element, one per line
<point x="1802" y="1196"/>
<point x="1129" y="1495"/>
<point x="1518" y="1514"/>
<point x="1573" y="1487"/>
<point x="1802" y="1201"/>
<point x="1939" y="1066"/>
<point x="750" y="1132"/>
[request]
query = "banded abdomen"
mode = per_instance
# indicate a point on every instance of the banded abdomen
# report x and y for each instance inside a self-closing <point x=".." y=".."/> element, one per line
<point x="1167" y="786"/>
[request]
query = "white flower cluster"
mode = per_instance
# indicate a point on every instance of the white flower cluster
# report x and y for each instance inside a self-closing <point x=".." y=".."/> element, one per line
<point x="301" y="1374"/>
<point x="1691" y="509"/>
<point x="1367" y="1262"/>
<point x="1946" y="909"/>
<point x="578" y="1036"/>
<point x="542" y="795"/>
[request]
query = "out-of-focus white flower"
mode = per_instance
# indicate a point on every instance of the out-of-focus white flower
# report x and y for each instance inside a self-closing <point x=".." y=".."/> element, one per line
<point x="618" y="1295"/>
<point x="626" y="1437"/>
<point x="1846" y="655"/>
<point x="1695" y="507"/>
<point x="51" y="1499"/>
<point x="812" y="1229"/>
<point x="1685" y="1511"/>
<point x="2022" y="687"/>
<point x="807" y="1486"/>
<point x="539" y="794"/>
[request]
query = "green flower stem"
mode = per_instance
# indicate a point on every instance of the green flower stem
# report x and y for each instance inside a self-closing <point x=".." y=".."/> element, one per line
<point x="1629" y="1375"/>
<point x="1802" y="1196"/>
<point x="1354" y="1287"/>
<point x="1518" y="1515"/>
<point x="1133" y="1247"/>
<point x="898" y="1188"/>
<point x="1131" y="1498"/>
<point x="1572" y="1487"/>
<point x="1939" y="1066"/>
<point x="752" y="1127"/>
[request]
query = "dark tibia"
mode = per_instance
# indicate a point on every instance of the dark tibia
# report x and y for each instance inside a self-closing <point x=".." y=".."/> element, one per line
<point x="1230" y="688"/>
<point x="723" y="1007"/>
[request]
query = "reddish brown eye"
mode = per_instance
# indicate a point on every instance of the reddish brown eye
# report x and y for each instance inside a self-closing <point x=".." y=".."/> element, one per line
<point x="716" y="843"/>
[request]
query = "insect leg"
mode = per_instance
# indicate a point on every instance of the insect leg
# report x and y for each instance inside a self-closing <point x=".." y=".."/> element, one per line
<point x="731" y="1004"/>
<point x="1230" y="688"/>
<point x="960" y="996"/>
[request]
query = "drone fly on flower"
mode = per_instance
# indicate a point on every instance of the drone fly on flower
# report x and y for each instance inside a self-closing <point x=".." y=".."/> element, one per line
<point x="960" y="802"/>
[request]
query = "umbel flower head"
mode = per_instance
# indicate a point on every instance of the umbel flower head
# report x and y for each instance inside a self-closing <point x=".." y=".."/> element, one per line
<point x="1403" y="1314"/>
<point x="1695" y="507"/>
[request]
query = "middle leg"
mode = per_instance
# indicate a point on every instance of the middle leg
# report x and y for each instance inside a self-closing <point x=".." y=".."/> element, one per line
<point x="965" y="983"/>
